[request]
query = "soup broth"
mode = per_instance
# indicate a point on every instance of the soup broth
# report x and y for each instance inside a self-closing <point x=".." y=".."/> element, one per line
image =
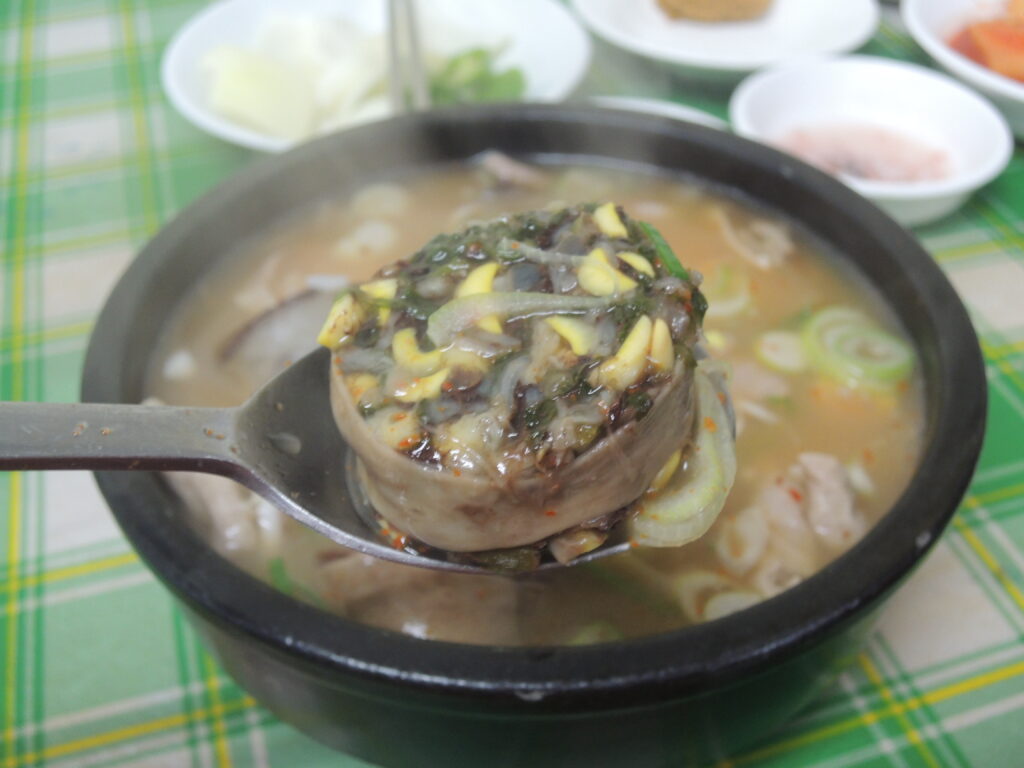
<point x="821" y="456"/>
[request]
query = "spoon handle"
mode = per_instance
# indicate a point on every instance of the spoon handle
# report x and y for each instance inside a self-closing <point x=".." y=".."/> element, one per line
<point x="101" y="436"/>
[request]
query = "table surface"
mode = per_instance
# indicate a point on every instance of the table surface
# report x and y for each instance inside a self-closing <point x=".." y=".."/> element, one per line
<point x="98" y="665"/>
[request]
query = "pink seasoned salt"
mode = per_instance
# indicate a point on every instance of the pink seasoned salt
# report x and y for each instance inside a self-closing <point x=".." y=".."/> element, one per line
<point x="866" y="151"/>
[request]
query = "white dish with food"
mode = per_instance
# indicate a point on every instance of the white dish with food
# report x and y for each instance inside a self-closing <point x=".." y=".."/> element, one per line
<point x="729" y="49"/>
<point x="246" y="72"/>
<point x="933" y="25"/>
<point x="913" y="141"/>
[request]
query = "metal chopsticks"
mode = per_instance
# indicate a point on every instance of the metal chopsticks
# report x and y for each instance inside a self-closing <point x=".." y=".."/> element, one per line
<point x="408" y="86"/>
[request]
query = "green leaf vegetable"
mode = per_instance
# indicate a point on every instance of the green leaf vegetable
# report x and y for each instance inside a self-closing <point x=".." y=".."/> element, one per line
<point x="663" y="251"/>
<point x="472" y="76"/>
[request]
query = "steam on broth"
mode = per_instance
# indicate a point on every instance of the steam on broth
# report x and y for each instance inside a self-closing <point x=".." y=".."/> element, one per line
<point x="828" y="410"/>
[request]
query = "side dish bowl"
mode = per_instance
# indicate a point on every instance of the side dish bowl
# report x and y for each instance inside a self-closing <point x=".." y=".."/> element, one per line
<point x="661" y="107"/>
<point x="662" y="700"/>
<point x="723" y="52"/>
<point x="933" y="22"/>
<point x="539" y="37"/>
<point x="921" y="105"/>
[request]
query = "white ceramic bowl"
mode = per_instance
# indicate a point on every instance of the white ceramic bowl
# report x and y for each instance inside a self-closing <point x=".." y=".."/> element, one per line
<point x="905" y="98"/>
<point x="727" y="51"/>
<point x="539" y="36"/>
<point x="933" y="22"/>
<point x="663" y="108"/>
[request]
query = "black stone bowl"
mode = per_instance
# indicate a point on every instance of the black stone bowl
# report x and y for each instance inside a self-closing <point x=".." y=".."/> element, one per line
<point x="671" y="699"/>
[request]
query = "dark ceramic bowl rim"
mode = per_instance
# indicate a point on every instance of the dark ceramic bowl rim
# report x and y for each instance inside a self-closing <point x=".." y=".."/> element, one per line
<point x="641" y="671"/>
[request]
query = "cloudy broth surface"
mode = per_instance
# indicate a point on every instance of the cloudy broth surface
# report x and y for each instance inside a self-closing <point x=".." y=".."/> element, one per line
<point x="820" y="457"/>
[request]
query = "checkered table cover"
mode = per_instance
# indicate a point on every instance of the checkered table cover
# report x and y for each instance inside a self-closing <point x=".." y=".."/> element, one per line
<point x="98" y="665"/>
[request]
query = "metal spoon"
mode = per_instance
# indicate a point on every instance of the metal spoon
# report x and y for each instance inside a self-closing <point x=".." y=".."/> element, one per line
<point x="281" y="443"/>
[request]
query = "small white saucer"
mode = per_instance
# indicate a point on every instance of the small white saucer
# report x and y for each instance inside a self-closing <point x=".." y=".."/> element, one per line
<point x="728" y="50"/>
<point x="908" y="99"/>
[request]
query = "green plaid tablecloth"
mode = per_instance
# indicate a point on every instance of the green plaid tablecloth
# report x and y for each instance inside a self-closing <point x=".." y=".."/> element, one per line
<point x="98" y="666"/>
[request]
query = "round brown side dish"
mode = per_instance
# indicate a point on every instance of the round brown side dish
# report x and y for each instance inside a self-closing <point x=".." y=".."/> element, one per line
<point x="673" y="699"/>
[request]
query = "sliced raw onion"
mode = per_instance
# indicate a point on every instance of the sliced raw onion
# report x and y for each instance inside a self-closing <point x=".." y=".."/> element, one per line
<point x="728" y="291"/>
<point x="512" y="249"/>
<point x="781" y="350"/>
<point x="694" y="588"/>
<point x="741" y="541"/>
<point x="688" y="506"/>
<point x="725" y="603"/>
<point x="462" y="313"/>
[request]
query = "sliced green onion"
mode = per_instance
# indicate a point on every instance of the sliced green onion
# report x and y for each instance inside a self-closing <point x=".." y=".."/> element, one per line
<point x="728" y="291"/>
<point x="824" y="323"/>
<point x="844" y="344"/>
<point x="600" y="631"/>
<point x="687" y="507"/>
<point x="472" y="76"/>
<point x="465" y="312"/>
<point x="279" y="576"/>
<point x="781" y="350"/>
<point x="664" y="252"/>
<point x="871" y="354"/>
<point x="634" y="579"/>
<point x="280" y="580"/>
